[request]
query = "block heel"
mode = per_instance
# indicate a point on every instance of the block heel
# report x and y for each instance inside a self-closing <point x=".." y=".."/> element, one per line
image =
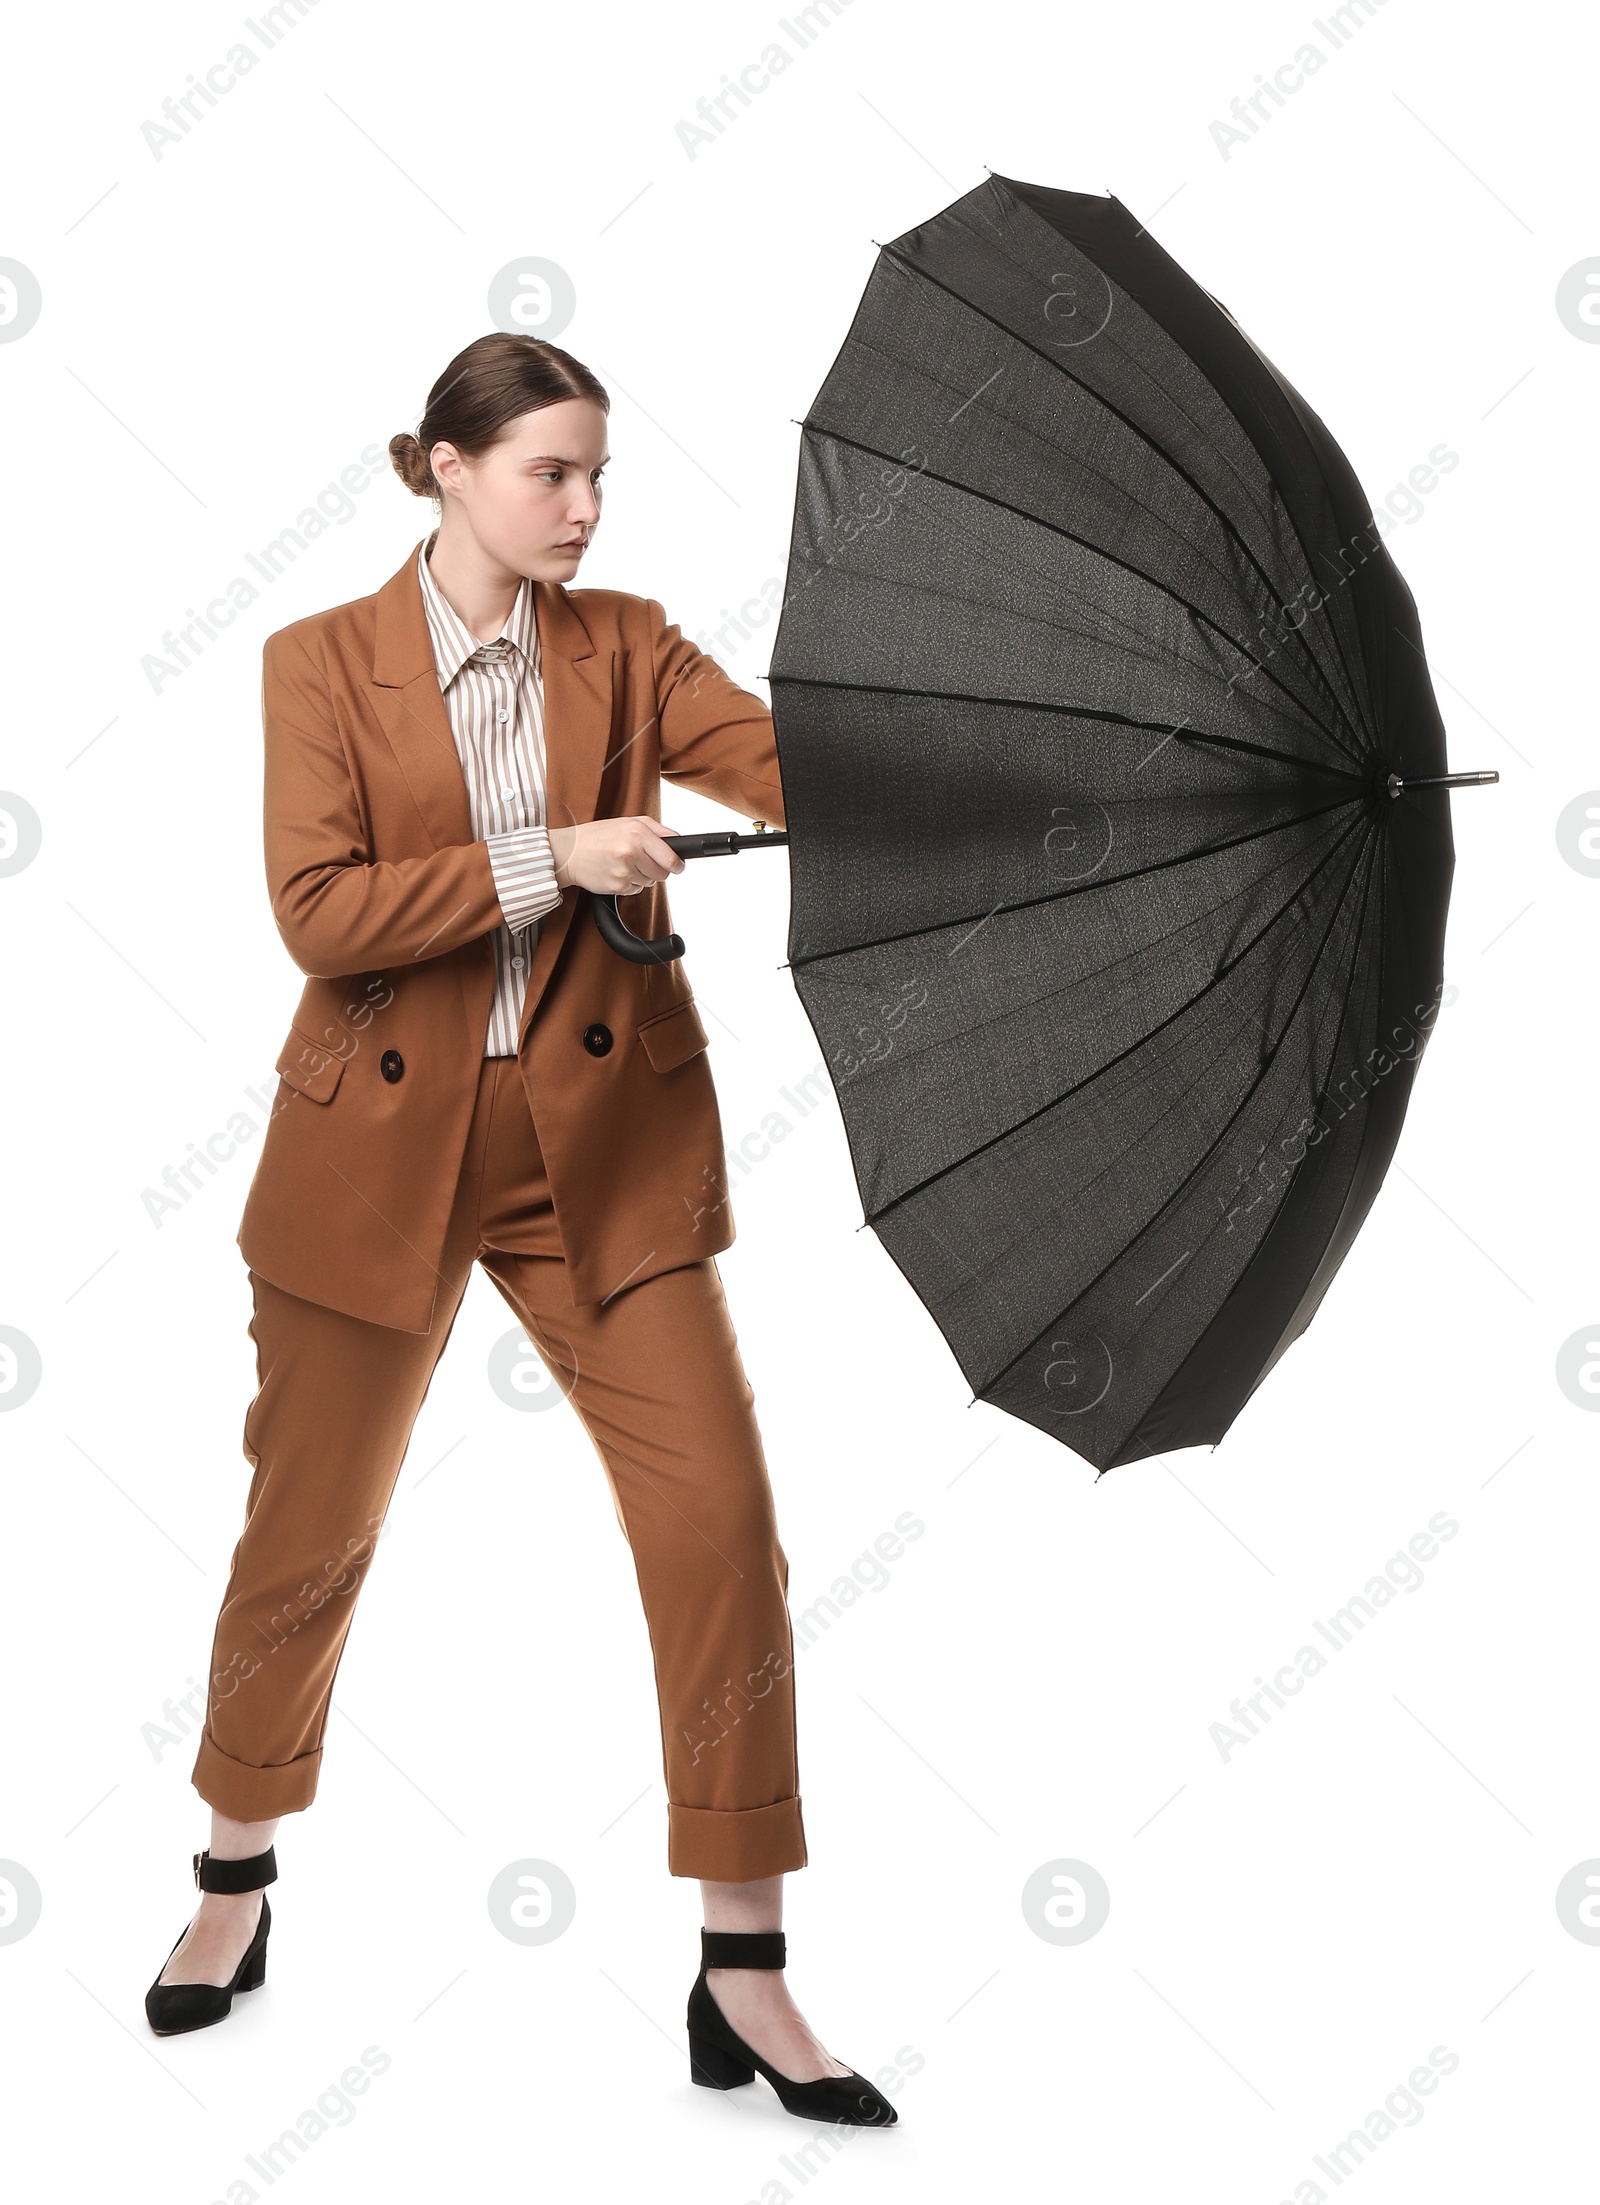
<point x="717" y="2069"/>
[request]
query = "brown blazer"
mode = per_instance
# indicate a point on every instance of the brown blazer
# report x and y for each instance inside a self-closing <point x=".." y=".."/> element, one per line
<point x="386" y="902"/>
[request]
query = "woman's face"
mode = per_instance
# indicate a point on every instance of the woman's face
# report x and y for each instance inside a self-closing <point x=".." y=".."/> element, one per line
<point x="533" y="499"/>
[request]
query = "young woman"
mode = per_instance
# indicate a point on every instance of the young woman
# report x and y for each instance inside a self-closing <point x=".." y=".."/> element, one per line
<point x="474" y="1076"/>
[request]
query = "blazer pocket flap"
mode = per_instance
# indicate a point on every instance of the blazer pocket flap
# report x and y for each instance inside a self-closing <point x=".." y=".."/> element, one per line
<point x="308" y="1066"/>
<point x="672" y="1037"/>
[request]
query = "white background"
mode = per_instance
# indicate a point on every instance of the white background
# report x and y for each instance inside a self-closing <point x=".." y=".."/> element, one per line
<point x="1292" y="1930"/>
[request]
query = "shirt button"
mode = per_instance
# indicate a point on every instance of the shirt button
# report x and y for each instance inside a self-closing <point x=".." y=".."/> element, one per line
<point x="508" y="792"/>
<point x="502" y="716"/>
<point x="516" y="964"/>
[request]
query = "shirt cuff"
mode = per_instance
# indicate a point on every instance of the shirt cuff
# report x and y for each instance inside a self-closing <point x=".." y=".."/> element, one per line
<point x="524" y="870"/>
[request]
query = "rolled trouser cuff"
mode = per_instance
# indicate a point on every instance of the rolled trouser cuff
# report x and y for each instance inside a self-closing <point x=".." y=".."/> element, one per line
<point x="735" y="1845"/>
<point x="251" y="1794"/>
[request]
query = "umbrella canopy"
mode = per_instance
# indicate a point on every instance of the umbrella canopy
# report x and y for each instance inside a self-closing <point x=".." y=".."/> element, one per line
<point x="1092" y="686"/>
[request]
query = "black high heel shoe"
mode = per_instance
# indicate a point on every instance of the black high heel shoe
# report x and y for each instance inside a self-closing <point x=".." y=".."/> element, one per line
<point x="171" y="2008"/>
<point x="721" y="2060"/>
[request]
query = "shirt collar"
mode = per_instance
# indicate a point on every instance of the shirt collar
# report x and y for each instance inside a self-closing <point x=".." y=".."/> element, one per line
<point x="453" y="641"/>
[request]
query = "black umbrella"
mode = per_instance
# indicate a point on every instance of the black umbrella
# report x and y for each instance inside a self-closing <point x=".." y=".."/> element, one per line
<point x="1114" y="786"/>
<point x="1121" y="858"/>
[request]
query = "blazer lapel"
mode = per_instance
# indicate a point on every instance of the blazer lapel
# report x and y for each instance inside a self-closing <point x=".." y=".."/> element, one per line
<point x="578" y="684"/>
<point x="410" y="708"/>
<point x="577" y="708"/>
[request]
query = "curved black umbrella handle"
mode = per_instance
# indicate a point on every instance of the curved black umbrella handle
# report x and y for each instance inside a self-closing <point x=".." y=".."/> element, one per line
<point x="663" y="951"/>
<point x="667" y="948"/>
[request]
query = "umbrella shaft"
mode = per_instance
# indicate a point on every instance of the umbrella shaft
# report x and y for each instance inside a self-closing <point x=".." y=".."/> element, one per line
<point x="1443" y="781"/>
<point x="724" y="842"/>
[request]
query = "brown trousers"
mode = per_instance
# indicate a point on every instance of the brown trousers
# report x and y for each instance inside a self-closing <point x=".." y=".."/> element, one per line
<point x="656" y="1376"/>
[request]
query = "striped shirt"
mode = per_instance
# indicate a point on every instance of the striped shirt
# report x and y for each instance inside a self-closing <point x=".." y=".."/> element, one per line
<point x="494" y="695"/>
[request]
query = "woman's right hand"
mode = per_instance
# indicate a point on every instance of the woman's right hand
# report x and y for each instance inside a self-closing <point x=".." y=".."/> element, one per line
<point x="613" y="857"/>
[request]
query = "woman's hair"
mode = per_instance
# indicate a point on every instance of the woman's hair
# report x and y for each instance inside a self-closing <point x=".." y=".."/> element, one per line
<point x="482" y="391"/>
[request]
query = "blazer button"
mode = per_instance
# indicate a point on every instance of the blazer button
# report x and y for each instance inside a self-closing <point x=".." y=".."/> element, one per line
<point x="597" y="1039"/>
<point x="392" y="1065"/>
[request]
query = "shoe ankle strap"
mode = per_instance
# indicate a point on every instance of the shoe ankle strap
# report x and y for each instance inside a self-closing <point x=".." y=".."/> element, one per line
<point x="235" y="1875"/>
<point x="742" y="1948"/>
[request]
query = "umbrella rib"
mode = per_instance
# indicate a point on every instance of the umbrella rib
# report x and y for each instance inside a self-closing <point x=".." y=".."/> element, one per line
<point x="1167" y="457"/>
<point x="1075" y="888"/>
<point x="1263" y="750"/>
<point x="1365" y="863"/>
<point x="1003" y="505"/>
<point x="1071" y="712"/>
<point x="957" y="598"/>
<point x="1089" y="1285"/>
<point x="1100" y="1070"/>
<point x="1102" y="973"/>
<point x="1109" y="405"/>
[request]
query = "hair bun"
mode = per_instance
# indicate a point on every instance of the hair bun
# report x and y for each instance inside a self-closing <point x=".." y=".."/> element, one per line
<point x="410" y="463"/>
<point x="497" y="380"/>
